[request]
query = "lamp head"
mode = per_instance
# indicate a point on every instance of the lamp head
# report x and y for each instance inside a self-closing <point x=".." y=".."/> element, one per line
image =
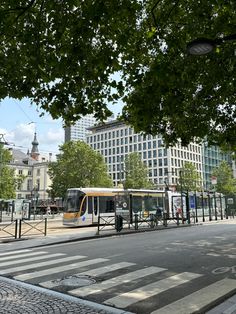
<point x="200" y="46"/>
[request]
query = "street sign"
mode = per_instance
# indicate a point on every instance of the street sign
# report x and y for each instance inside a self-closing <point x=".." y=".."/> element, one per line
<point x="213" y="180"/>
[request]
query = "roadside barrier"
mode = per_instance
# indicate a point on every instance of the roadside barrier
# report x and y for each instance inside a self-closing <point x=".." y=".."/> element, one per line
<point x="137" y="222"/>
<point x="9" y="230"/>
<point x="30" y="228"/>
<point x="104" y="222"/>
<point x="19" y="228"/>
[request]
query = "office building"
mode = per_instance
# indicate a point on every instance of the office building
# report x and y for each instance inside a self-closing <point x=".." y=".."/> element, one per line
<point x="212" y="158"/>
<point x="79" y="130"/>
<point x="114" y="140"/>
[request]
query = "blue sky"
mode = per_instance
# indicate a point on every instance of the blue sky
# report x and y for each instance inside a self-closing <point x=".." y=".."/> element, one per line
<point x="18" y="122"/>
<point x="20" y="119"/>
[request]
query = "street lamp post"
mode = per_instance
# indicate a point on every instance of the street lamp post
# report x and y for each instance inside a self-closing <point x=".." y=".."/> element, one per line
<point x="202" y="46"/>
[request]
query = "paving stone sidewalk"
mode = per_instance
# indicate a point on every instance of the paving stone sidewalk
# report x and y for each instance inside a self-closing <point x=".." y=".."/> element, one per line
<point x="22" y="298"/>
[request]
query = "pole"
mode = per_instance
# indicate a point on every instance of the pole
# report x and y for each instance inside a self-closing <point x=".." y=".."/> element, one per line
<point x="187" y="207"/>
<point x="215" y="205"/>
<point x="195" y="196"/>
<point x="221" y="211"/>
<point x="181" y="193"/>
<point x="209" y="205"/>
<point x="203" y="214"/>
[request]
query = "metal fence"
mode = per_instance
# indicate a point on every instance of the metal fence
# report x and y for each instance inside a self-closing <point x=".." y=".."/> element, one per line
<point x="20" y="228"/>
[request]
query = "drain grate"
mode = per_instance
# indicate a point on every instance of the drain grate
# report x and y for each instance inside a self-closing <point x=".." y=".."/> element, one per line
<point x="78" y="281"/>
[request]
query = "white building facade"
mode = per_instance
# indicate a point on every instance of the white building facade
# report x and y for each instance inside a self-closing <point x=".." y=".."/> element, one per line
<point x="34" y="169"/>
<point x="80" y="129"/>
<point x="115" y="140"/>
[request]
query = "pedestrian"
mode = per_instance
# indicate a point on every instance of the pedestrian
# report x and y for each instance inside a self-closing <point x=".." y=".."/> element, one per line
<point x="158" y="214"/>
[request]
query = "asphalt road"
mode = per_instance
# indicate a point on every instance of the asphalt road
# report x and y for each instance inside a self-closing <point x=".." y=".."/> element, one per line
<point x="154" y="272"/>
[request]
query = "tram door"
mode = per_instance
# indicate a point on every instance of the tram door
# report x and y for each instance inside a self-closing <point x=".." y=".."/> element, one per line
<point x="95" y="212"/>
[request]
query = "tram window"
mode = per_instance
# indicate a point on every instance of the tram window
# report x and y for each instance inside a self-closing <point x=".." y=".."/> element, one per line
<point x="90" y="205"/>
<point x="95" y="204"/>
<point x="106" y="204"/>
<point x="137" y="203"/>
<point x="84" y="205"/>
<point x="150" y="203"/>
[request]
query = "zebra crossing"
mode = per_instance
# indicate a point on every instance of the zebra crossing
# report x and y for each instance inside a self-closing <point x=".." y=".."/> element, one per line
<point x="122" y="284"/>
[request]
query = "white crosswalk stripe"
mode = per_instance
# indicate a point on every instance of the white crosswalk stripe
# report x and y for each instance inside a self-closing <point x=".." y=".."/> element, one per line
<point x="41" y="264"/>
<point x="5" y="258"/>
<point x="30" y="259"/>
<point x="194" y="302"/>
<point x="83" y="291"/>
<point x="14" y="252"/>
<point x="150" y="290"/>
<point x="59" y="269"/>
<point x="93" y="273"/>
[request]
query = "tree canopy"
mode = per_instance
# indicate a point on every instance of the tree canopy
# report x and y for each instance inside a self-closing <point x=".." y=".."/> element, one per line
<point x="64" y="56"/>
<point x="189" y="178"/>
<point x="136" y="173"/>
<point x="77" y="165"/>
<point x="8" y="180"/>
<point x="226" y="183"/>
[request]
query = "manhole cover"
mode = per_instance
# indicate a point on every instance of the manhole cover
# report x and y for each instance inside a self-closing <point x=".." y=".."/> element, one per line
<point x="78" y="281"/>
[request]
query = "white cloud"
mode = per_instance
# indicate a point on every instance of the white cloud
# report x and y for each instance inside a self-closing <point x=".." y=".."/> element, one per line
<point x="23" y="134"/>
<point x="54" y="135"/>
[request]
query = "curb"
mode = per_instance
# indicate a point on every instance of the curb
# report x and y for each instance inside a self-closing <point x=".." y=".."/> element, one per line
<point x="91" y="237"/>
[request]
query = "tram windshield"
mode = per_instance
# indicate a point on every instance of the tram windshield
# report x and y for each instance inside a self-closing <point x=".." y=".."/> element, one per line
<point x="73" y="200"/>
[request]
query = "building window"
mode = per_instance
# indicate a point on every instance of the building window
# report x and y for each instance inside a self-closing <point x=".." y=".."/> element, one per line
<point x="38" y="172"/>
<point x="20" y="171"/>
<point x="38" y="184"/>
<point x="29" y="185"/>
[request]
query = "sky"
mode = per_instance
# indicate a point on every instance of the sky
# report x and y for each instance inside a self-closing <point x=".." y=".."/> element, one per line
<point x="19" y="120"/>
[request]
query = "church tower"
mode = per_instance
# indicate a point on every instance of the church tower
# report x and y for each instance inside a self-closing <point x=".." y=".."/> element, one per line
<point x="35" y="151"/>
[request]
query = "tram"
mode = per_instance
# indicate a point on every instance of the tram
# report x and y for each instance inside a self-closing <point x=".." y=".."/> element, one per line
<point x="83" y="206"/>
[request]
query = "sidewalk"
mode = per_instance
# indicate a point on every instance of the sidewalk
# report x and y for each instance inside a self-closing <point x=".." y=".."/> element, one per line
<point x="31" y="299"/>
<point x="57" y="233"/>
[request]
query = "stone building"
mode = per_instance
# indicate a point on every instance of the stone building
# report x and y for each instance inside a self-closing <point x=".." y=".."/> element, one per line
<point x="34" y="168"/>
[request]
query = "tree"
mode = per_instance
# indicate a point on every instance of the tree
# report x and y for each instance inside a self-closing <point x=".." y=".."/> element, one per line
<point x="226" y="183"/>
<point x="136" y="173"/>
<point x="63" y="55"/>
<point x="8" y="180"/>
<point x="77" y="165"/>
<point x="189" y="179"/>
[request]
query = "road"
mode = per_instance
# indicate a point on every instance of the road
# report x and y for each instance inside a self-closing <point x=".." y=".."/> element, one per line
<point x="169" y="271"/>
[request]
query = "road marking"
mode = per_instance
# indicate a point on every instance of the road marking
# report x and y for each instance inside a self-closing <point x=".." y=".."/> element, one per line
<point x="41" y="264"/>
<point x="103" y="270"/>
<point x="14" y="252"/>
<point x="128" y="298"/>
<point x="59" y="269"/>
<point x="83" y="291"/>
<point x="30" y="259"/>
<point x="93" y="273"/>
<point x="196" y="301"/>
<point x="213" y="254"/>
<point x="7" y="258"/>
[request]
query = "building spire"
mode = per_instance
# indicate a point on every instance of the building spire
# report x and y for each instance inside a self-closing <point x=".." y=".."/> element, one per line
<point x="35" y="151"/>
